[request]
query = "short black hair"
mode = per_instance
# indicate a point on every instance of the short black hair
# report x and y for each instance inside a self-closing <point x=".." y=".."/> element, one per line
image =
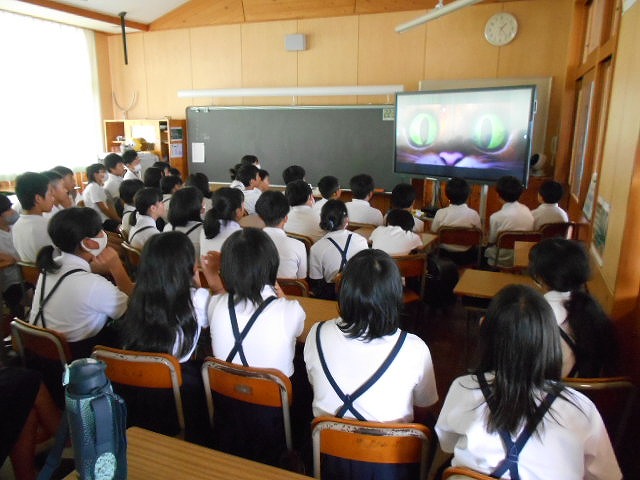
<point x="403" y="195"/>
<point x="509" y="188"/>
<point x="292" y="173"/>
<point x="200" y="181"/>
<point x="234" y="170"/>
<point x="297" y="192"/>
<point x="361" y="185"/>
<point x="28" y="185"/>
<point x="145" y="198"/>
<point x="263" y="173"/>
<point x="111" y="161"/>
<point x="161" y="165"/>
<point x="52" y="176"/>
<point x="246" y="173"/>
<point x="129" y="156"/>
<point x="551" y="191"/>
<point x="563" y="265"/>
<point x="169" y="182"/>
<point x="333" y="215"/>
<point x="175" y="172"/>
<point x="62" y="170"/>
<point x="400" y="218"/>
<point x="185" y="206"/>
<point x="272" y="206"/>
<point x="93" y="169"/>
<point x="457" y="190"/>
<point x="249" y="160"/>
<point x="152" y="177"/>
<point x="128" y="189"/>
<point x="328" y="185"/>
<point x="370" y="295"/>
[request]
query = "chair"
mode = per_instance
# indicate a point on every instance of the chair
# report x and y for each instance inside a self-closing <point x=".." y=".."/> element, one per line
<point x="461" y="236"/>
<point x="294" y="286"/>
<point x="554" y="230"/>
<point x="30" y="272"/>
<point x="614" y="397"/>
<point x="371" y="442"/>
<point x="303" y="238"/>
<point x="352" y="226"/>
<point x="464" y="473"/>
<point x="132" y="257"/>
<point x="252" y="220"/>
<point x="507" y="239"/>
<point x="412" y="266"/>
<point x="252" y="388"/>
<point x="144" y="370"/>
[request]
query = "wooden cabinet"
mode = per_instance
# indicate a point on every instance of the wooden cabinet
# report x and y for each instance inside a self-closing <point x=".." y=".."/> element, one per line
<point x="165" y="137"/>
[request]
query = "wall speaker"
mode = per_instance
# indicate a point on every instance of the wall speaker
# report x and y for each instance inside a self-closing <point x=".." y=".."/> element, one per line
<point x="296" y="42"/>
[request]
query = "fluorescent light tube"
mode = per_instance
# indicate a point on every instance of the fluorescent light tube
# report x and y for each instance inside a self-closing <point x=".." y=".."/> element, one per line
<point x="436" y="13"/>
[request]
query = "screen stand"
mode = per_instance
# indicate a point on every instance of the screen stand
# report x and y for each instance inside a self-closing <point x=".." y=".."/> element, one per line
<point x="484" y="191"/>
<point x="435" y="199"/>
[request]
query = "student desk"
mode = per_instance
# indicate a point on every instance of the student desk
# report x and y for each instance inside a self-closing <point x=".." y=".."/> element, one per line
<point x="485" y="284"/>
<point x="151" y="455"/>
<point x="317" y="310"/>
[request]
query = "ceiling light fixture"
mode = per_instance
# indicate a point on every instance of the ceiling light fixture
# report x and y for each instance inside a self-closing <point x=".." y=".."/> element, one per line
<point x="439" y="11"/>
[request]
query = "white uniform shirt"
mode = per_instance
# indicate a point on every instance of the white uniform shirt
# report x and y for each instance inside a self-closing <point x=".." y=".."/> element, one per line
<point x="131" y="175"/>
<point x="271" y="341"/>
<point x="302" y="219"/>
<point x="572" y="445"/>
<point x="194" y="228"/>
<point x="556" y="300"/>
<point x="227" y="227"/>
<point x="360" y="211"/>
<point x="418" y="225"/>
<point x="237" y="184"/>
<point x="10" y="275"/>
<point x="29" y="235"/>
<point x="292" y="253"/>
<point x="324" y="257"/>
<point x="200" y="298"/>
<point x="548" y="213"/>
<point x="112" y="185"/>
<point x="408" y="381"/>
<point x="319" y="204"/>
<point x="126" y="216"/>
<point x="83" y="302"/>
<point x="455" y="216"/>
<point x="142" y="231"/>
<point x="394" y="240"/>
<point x="512" y="216"/>
<point x="250" y="199"/>
<point x="94" y="193"/>
<point x="166" y="199"/>
<point x="55" y="209"/>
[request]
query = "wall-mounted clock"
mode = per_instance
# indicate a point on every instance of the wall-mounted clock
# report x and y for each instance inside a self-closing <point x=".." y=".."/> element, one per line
<point x="501" y="29"/>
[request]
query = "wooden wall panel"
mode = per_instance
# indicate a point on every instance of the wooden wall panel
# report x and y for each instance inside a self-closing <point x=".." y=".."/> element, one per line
<point x="200" y="13"/>
<point x="216" y="56"/>
<point x="331" y="58"/>
<point x="168" y="66"/>
<point x="268" y="10"/>
<point x="385" y="6"/>
<point x="129" y="79"/>
<point x="104" y="75"/>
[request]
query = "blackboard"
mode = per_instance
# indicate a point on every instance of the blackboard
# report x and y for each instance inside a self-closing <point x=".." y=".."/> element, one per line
<point x="341" y="141"/>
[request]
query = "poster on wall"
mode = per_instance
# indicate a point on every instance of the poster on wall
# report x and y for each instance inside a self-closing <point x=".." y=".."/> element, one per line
<point x="591" y="193"/>
<point x="600" y="225"/>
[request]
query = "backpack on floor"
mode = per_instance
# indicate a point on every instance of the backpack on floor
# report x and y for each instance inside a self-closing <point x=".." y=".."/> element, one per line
<point x="442" y="277"/>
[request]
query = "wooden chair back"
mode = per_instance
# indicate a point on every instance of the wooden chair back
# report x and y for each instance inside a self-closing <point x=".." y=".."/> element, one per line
<point x="352" y="226"/>
<point x="308" y="241"/>
<point x="371" y="442"/>
<point x="132" y="257"/>
<point x="144" y="370"/>
<point x="463" y="237"/>
<point x="554" y="230"/>
<point x="464" y="473"/>
<point x="294" y="286"/>
<point x="252" y="220"/>
<point x="259" y="386"/>
<point x="30" y="272"/>
<point x="115" y="240"/>
<point x="42" y="342"/>
<point x="412" y="266"/>
<point x="507" y="239"/>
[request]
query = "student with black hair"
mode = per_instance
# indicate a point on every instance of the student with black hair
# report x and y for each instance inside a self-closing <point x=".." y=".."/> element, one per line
<point x="329" y="255"/>
<point x="70" y="296"/>
<point x="95" y="197"/>
<point x="273" y="208"/>
<point x="364" y="343"/>
<point x="69" y="181"/>
<point x="329" y="188"/>
<point x="250" y="178"/>
<point x="133" y="165"/>
<point x="293" y="173"/>
<point x="360" y="211"/>
<point x="397" y="236"/>
<point x="200" y="181"/>
<point x="302" y="219"/>
<point x="152" y="177"/>
<point x="222" y="219"/>
<point x="549" y="195"/>
<point x="169" y="184"/>
<point x="185" y="215"/>
<point x="515" y="396"/>
<point x="149" y="207"/>
<point x="115" y="173"/>
<point x="29" y="233"/>
<point x="265" y="183"/>
<point x="403" y="196"/>
<point x="250" y="160"/>
<point x="164" y="166"/>
<point x="235" y="183"/>
<point x="61" y="199"/>
<point x="128" y="190"/>
<point x="175" y="172"/>
<point x="11" y="281"/>
<point x="589" y="347"/>
<point x="513" y="216"/>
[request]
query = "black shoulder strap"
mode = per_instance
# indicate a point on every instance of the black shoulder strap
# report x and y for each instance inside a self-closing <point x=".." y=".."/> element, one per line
<point x="193" y="228"/>
<point x="138" y="231"/>
<point x="574" y="348"/>
<point x="343" y="253"/>
<point x="44" y="300"/>
<point x="240" y="336"/>
<point x="348" y="399"/>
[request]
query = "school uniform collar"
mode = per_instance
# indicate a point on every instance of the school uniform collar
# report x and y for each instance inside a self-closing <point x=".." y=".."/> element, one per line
<point x="275" y="231"/>
<point x="510" y="205"/>
<point x="70" y="261"/>
<point x="303" y="208"/>
<point x="145" y="220"/>
<point x="359" y="200"/>
<point x="555" y="296"/>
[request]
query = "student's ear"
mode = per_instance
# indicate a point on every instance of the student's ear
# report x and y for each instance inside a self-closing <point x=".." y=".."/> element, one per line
<point x="90" y="243"/>
<point x="337" y="194"/>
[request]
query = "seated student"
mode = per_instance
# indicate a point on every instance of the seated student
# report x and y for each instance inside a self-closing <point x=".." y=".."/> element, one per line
<point x="235" y="183"/>
<point x="164" y="166"/>
<point x="185" y="210"/>
<point x="330" y="254"/>
<point x="132" y="164"/>
<point x="128" y="189"/>
<point x="357" y="346"/>
<point x="264" y="183"/>
<point x="397" y="237"/>
<point x="293" y="173"/>
<point x="96" y="198"/>
<point x="513" y="216"/>
<point x="201" y="182"/>
<point x="169" y="184"/>
<point x="152" y="177"/>
<point x="30" y="231"/>
<point x="250" y="178"/>
<point x="457" y="214"/>
<point x="588" y="339"/>
<point x="222" y="220"/>
<point x="61" y="199"/>
<point x="175" y="172"/>
<point x="403" y="197"/>
<point x="115" y="172"/>
<point x="517" y="383"/>
<point x="167" y="314"/>
<point x="549" y="195"/>
<point x="149" y="208"/>
<point x="329" y="188"/>
<point x="69" y="182"/>
<point x="302" y="219"/>
<point x="83" y="301"/>
<point x="359" y="209"/>
<point x="250" y="160"/>
<point x="272" y="207"/>
<point x="11" y="282"/>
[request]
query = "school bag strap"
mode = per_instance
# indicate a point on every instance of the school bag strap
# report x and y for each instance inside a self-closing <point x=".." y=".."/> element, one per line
<point x="574" y="348"/>
<point x="513" y="448"/>
<point x="348" y="399"/>
<point x="44" y="300"/>
<point x="240" y="336"/>
<point x="193" y="228"/>
<point x="138" y="231"/>
<point x="343" y="253"/>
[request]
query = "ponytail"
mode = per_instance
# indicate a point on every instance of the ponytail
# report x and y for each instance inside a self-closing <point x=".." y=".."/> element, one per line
<point x="45" y="261"/>
<point x="133" y="218"/>
<point x="211" y="225"/>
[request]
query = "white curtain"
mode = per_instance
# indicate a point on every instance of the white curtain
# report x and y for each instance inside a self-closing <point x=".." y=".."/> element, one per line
<point x="49" y="96"/>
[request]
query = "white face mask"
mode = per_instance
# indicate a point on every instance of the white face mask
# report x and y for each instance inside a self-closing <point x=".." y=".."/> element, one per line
<point x="102" y="244"/>
<point x="137" y="168"/>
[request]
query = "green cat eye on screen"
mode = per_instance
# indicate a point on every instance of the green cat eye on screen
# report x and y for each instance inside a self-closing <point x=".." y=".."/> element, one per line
<point x="490" y="132"/>
<point x="423" y="130"/>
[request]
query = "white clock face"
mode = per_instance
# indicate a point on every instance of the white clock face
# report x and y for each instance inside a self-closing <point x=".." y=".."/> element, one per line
<point x="501" y="29"/>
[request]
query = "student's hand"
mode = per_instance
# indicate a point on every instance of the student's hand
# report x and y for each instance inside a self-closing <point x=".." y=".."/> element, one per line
<point x="6" y="260"/>
<point x="106" y="262"/>
<point x="210" y="265"/>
